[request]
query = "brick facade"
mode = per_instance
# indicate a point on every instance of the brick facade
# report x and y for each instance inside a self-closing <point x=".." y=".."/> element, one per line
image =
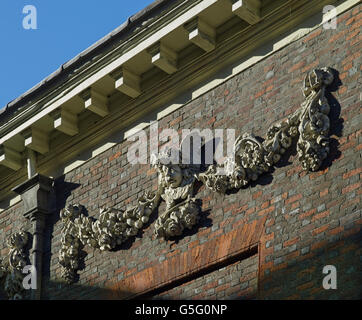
<point x="297" y="221"/>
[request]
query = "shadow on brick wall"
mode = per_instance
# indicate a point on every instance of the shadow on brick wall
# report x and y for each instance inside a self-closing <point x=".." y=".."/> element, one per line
<point x="61" y="291"/>
<point x="336" y="122"/>
<point x="63" y="191"/>
<point x="302" y="277"/>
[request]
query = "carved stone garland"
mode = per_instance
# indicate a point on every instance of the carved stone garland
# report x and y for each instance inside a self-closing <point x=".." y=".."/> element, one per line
<point x="12" y="266"/>
<point x="112" y="228"/>
<point x="252" y="157"/>
<point x="176" y="181"/>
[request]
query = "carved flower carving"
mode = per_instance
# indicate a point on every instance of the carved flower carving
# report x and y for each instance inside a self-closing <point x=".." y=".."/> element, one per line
<point x="293" y="131"/>
<point x="272" y="132"/>
<point x="190" y="220"/>
<point x="189" y="213"/>
<point x="320" y="123"/>
<point x="220" y="184"/>
<point x="106" y="242"/>
<point x="238" y="178"/>
<point x="251" y="155"/>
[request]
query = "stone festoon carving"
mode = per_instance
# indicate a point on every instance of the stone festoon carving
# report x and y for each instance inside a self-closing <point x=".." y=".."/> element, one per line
<point x="112" y="228"/>
<point x="12" y="266"/>
<point x="313" y="143"/>
<point x="251" y="157"/>
<point x="176" y="181"/>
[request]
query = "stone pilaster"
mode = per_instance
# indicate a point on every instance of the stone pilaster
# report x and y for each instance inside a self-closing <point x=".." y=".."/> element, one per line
<point x="38" y="195"/>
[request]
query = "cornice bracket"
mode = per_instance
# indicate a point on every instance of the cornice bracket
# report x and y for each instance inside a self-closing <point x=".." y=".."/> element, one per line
<point x="248" y="10"/>
<point x="66" y="122"/>
<point x="36" y="140"/>
<point x="201" y="34"/>
<point x="10" y="158"/>
<point x="127" y="82"/>
<point x="163" y="57"/>
<point x="95" y="101"/>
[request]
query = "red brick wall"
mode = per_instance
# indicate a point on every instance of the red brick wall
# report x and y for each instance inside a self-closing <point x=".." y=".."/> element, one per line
<point x="299" y="221"/>
<point x="238" y="280"/>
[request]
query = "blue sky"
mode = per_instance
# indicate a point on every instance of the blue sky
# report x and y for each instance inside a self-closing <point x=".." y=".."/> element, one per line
<point x="64" y="29"/>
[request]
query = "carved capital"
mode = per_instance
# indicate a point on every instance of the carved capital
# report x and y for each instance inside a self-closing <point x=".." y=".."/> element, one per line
<point x="38" y="195"/>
